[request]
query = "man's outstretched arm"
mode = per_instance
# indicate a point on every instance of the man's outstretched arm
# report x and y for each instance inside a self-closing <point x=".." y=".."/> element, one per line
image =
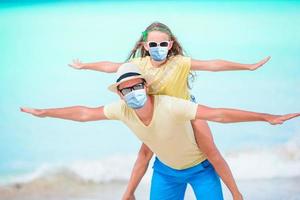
<point x="75" y="113"/>
<point x="225" y="115"/>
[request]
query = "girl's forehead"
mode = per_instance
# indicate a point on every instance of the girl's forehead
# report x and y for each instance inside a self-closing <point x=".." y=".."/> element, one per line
<point x="157" y="36"/>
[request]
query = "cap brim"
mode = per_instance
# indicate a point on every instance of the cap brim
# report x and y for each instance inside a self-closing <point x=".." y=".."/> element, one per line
<point x="114" y="86"/>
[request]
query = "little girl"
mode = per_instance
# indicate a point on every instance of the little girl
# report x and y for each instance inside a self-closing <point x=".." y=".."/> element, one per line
<point x="161" y="60"/>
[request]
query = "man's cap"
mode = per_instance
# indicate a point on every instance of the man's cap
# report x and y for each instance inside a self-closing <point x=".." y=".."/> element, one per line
<point x="126" y="72"/>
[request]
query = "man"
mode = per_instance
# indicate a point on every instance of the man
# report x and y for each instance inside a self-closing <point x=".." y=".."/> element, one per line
<point x="162" y="123"/>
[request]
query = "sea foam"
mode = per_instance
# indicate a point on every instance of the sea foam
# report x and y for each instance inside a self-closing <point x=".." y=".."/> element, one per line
<point x="282" y="161"/>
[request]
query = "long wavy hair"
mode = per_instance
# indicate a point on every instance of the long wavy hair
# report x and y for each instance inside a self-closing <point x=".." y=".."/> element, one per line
<point x="140" y="51"/>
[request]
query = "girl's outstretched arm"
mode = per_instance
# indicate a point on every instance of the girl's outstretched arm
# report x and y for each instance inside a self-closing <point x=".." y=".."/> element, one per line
<point x="223" y="65"/>
<point x="75" y="113"/>
<point x="103" y="66"/>
<point x="225" y="115"/>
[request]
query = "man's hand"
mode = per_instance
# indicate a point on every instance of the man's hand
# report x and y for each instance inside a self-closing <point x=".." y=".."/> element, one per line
<point x="128" y="197"/>
<point x="77" y="64"/>
<point x="279" y="119"/>
<point x="35" y="112"/>
<point x="259" y="64"/>
<point x="238" y="196"/>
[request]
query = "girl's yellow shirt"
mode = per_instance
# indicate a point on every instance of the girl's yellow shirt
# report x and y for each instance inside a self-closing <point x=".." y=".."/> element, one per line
<point x="169" y="79"/>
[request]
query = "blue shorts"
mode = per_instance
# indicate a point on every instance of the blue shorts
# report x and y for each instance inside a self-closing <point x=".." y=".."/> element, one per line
<point x="170" y="184"/>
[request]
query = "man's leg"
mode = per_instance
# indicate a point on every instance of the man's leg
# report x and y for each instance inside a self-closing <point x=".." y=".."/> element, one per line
<point x="206" y="184"/>
<point x="165" y="187"/>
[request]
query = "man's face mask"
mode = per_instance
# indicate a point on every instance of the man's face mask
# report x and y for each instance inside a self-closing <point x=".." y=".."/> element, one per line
<point x="135" y="96"/>
<point x="136" y="99"/>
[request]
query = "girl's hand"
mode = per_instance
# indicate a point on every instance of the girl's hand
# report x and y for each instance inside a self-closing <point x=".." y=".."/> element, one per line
<point x="128" y="197"/>
<point x="77" y="64"/>
<point x="35" y="112"/>
<point x="259" y="64"/>
<point x="279" y="119"/>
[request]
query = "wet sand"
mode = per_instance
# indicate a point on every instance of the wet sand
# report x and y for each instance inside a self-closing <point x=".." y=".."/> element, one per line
<point x="269" y="189"/>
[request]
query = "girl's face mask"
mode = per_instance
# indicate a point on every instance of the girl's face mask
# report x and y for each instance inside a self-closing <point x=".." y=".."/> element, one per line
<point x="158" y="51"/>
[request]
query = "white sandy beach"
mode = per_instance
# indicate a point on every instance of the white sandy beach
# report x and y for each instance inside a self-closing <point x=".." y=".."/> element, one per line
<point x="268" y="189"/>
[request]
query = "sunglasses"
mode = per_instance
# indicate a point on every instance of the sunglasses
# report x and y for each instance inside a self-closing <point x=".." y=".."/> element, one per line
<point x="161" y="44"/>
<point x="127" y="90"/>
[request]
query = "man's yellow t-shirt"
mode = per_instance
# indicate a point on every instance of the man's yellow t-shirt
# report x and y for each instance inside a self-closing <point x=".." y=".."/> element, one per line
<point x="168" y="79"/>
<point x="169" y="135"/>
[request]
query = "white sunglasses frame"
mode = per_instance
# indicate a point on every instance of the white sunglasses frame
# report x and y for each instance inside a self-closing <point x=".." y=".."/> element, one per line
<point x="158" y="44"/>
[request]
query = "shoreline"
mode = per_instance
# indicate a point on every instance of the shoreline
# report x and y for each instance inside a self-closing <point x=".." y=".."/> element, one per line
<point x="63" y="189"/>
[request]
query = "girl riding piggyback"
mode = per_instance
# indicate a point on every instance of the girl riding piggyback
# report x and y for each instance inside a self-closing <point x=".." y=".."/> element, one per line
<point x="162" y="62"/>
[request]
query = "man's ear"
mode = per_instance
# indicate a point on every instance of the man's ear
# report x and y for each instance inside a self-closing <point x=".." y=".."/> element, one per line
<point x="146" y="87"/>
<point x="120" y="94"/>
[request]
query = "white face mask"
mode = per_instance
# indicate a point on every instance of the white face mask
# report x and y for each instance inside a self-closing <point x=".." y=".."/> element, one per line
<point x="158" y="53"/>
<point x="136" y="99"/>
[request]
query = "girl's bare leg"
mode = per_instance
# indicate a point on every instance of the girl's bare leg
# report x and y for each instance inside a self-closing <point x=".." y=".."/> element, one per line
<point x="206" y="143"/>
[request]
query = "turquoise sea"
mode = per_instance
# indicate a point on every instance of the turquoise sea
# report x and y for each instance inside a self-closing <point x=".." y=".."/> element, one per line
<point x="39" y="38"/>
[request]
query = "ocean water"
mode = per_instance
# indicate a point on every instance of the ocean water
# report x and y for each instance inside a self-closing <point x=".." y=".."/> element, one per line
<point x="39" y="39"/>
